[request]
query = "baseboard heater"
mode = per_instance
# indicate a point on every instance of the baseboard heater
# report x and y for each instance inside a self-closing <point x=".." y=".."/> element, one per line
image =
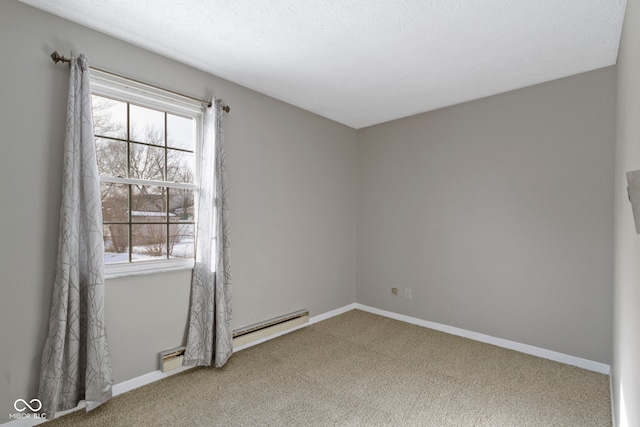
<point x="257" y="331"/>
<point x="171" y="359"/>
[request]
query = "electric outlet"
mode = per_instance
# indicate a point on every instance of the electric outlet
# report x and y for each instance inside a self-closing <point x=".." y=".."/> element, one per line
<point x="407" y="293"/>
<point x="394" y="291"/>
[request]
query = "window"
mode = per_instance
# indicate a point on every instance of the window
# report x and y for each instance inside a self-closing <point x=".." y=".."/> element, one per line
<point x="146" y="145"/>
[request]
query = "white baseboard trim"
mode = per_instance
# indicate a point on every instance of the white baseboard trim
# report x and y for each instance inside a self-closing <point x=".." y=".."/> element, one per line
<point x="512" y="345"/>
<point x="22" y="423"/>
<point x="332" y="313"/>
<point x="117" y="389"/>
<point x="145" y="379"/>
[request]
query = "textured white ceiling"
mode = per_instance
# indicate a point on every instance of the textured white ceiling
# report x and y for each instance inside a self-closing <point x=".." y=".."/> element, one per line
<point x="363" y="62"/>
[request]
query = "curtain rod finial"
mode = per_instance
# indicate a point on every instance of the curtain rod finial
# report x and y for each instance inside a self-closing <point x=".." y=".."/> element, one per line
<point x="56" y="57"/>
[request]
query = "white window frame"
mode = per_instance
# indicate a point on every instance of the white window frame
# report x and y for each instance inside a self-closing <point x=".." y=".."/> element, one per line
<point x="110" y="86"/>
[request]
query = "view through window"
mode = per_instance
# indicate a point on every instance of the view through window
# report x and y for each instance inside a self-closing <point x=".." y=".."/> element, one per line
<point x="146" y="160"/>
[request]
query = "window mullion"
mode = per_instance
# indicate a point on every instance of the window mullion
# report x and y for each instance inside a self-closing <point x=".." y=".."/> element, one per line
<point x="166" y="177"/>
<point x="130" y="220"/>
<point x="135" y="181"/>
<point x="129" y="187"/>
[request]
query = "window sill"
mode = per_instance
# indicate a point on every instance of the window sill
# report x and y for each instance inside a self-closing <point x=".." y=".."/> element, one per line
<point x="112" y="271"/>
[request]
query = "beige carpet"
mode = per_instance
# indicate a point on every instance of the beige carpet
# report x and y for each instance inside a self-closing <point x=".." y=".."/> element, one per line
<point x="359" y="369"/>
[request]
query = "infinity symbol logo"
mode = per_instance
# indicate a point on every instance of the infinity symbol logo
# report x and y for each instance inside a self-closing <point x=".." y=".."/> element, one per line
<point x="26" y="405"/>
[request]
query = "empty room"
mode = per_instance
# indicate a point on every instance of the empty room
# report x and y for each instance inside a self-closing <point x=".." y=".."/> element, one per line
<point x="322" y="212"/>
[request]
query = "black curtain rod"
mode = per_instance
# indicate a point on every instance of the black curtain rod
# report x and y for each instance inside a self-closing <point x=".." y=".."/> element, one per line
<point x="56" y="57"/>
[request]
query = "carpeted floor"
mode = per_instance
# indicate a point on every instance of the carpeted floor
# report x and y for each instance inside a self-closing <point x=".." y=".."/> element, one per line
<point x="359" y="369"/>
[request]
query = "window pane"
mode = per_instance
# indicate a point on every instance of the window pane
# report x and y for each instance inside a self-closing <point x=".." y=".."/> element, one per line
<point x="149" y="241"/>
<point x="115" y="202"/>
<point x="181" y="240"/>
<point x="180" y="166"/>
<point x="147" y="125"/>
<point x="109" y="117"/>
<point x="112" y="157"/>
<point x="148" y="203"/>
<point x="180" y="132"/>
<point x="116" y="243"/>
<point x="181" y="204"/>
<point x="146" y="162"/>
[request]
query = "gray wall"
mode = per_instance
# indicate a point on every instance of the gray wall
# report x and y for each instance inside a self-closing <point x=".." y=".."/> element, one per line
<point x="292" y="202"/>
<point x="498" y="214"/>
<point x="626" y="341"/>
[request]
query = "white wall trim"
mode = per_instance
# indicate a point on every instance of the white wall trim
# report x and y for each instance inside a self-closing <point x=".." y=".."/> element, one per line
<point x="332" y="313"/>
<point x="117" y="389"/>
<point x="145" y="379"/>
<point x="23" y="423"/>
<point x="511" y="345"/>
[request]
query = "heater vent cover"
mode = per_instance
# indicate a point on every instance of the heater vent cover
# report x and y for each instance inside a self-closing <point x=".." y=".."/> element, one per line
<point x="277" y="325"/>
<point x="171" y="359"/>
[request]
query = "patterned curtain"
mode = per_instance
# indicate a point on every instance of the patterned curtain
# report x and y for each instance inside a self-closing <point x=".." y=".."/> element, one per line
<point x="75" y="362"/>
<point x="209" y="340"/>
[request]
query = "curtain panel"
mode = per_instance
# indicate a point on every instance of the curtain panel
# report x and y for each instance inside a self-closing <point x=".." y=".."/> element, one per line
<point x="209" y="339"/>
<point x="76" y="363"/>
